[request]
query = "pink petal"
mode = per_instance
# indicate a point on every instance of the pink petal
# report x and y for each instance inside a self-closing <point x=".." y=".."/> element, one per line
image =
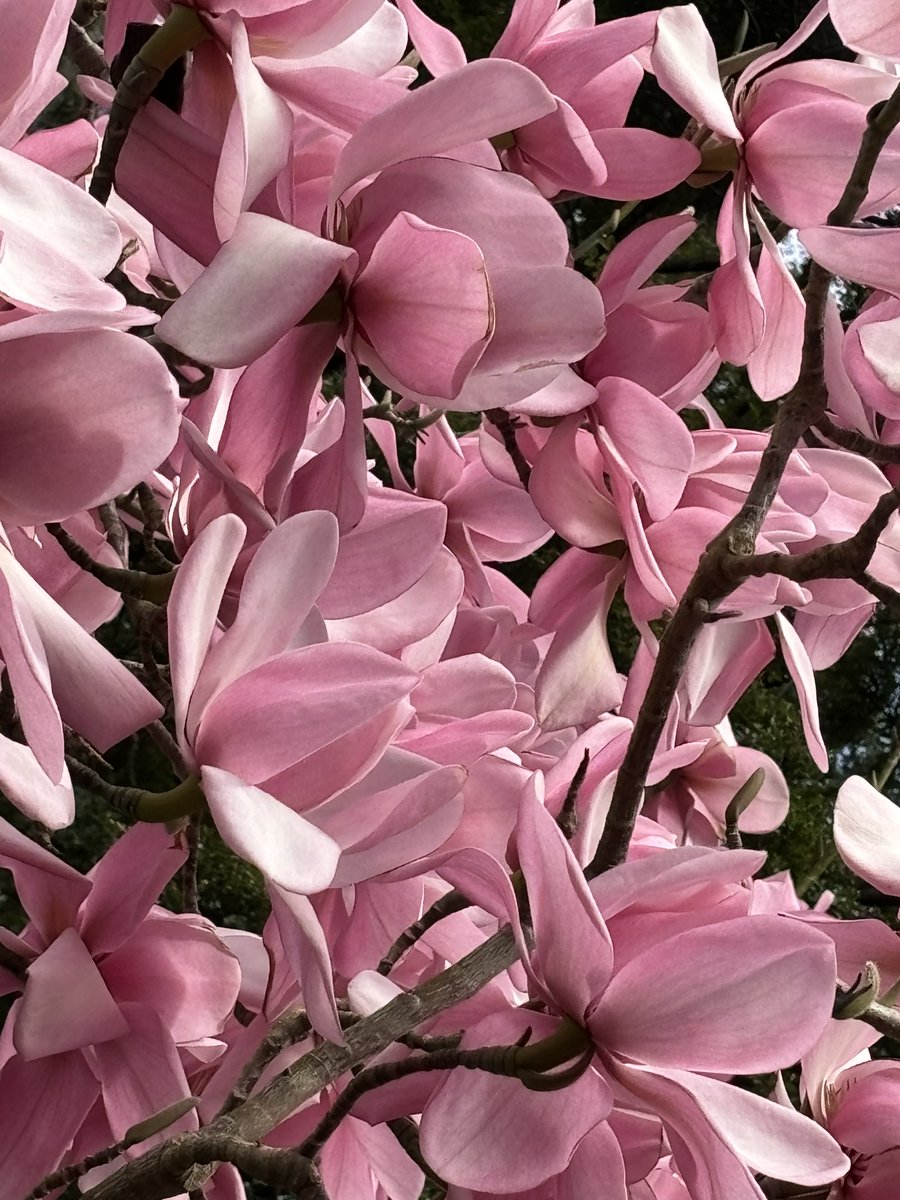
<point x="286" y="574"/>
<point x="288" y="850"/>
<point x="26" y="784"/>
<point x="684" y="62"/>
<point x="62" y="393"/>
<point x="194" y="607"/>
<point x="478" y="101"/>
<point x="578" y="679"/>
<point x="141" y="1074"/>
<point x="306" y="950"/>
<point x="440" y="50"/>
<point x="800" y="670"/>
<point x="58" y="242"/>
<point x="641" y="163"/>
<point x="654" y="442"/>
<point x="257" y="143"/>
<point x="721" y="1133"/>
<point x="126" y="883"/>
<point x="54" y="1095"/>
<point x="280" y="272"/>
<point x="178" y="966"/>
<point x="484" y="1132"/>
<point x="867" y="834"/>
<point x="429" y="340"/>
<point x="567" y="924"/>
<point x="740" y="996"/>
<point x="869" y="256"/>
<point x="28" y="66"/>
<point x="871" y="28"/>
<point x="89" y="1016"/>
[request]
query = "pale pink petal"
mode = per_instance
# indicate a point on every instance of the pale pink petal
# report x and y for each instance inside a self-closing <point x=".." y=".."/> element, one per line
<point x="257" y="142"/>
<point x="478" y="101"/>
<point x="90" y="1015"/>
<point x="279" y="271"/>
<point x="50" y="890"/>
<point x="194" y="607"/>
<point x="288" y="850"/>
<point x="800" y="670"/>
<point x="867" y="834"/>
<point x="679" y="1005"/>
<point x="58" y="242"/>
<point x="870" y="28"/>
<point x="429" y="338"/>
<point x="684" y="62"/>
<point x="27" y="785"/>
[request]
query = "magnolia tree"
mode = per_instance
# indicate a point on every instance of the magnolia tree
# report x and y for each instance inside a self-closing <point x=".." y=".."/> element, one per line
<point x="515" y="945"/>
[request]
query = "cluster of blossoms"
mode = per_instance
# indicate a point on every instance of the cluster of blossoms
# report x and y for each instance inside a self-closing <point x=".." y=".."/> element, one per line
<point x="370" y="711"/>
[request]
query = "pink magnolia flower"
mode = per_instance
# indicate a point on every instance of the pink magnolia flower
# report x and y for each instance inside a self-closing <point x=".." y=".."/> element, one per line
<point x="273" y="718"/>
<point x="855" y="1099"/>
<point x="664" y="1019"/>
<point x="113" y="986"/>
<point x="594" y="73"/>
<point x="418" y="219"/>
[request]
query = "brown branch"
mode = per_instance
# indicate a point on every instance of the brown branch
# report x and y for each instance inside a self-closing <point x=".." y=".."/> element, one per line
<point x="848" y="559"/>
<point x="292" y="1026"/>
<point x="190" y="891"/>
<point x="858" y="443"/>
<point x="139" y="584"/>
<point x="451" y="902"/>
<point x="506" y="426"/>
<point x="712" y="582"/>
<point x="84" y="52"/>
